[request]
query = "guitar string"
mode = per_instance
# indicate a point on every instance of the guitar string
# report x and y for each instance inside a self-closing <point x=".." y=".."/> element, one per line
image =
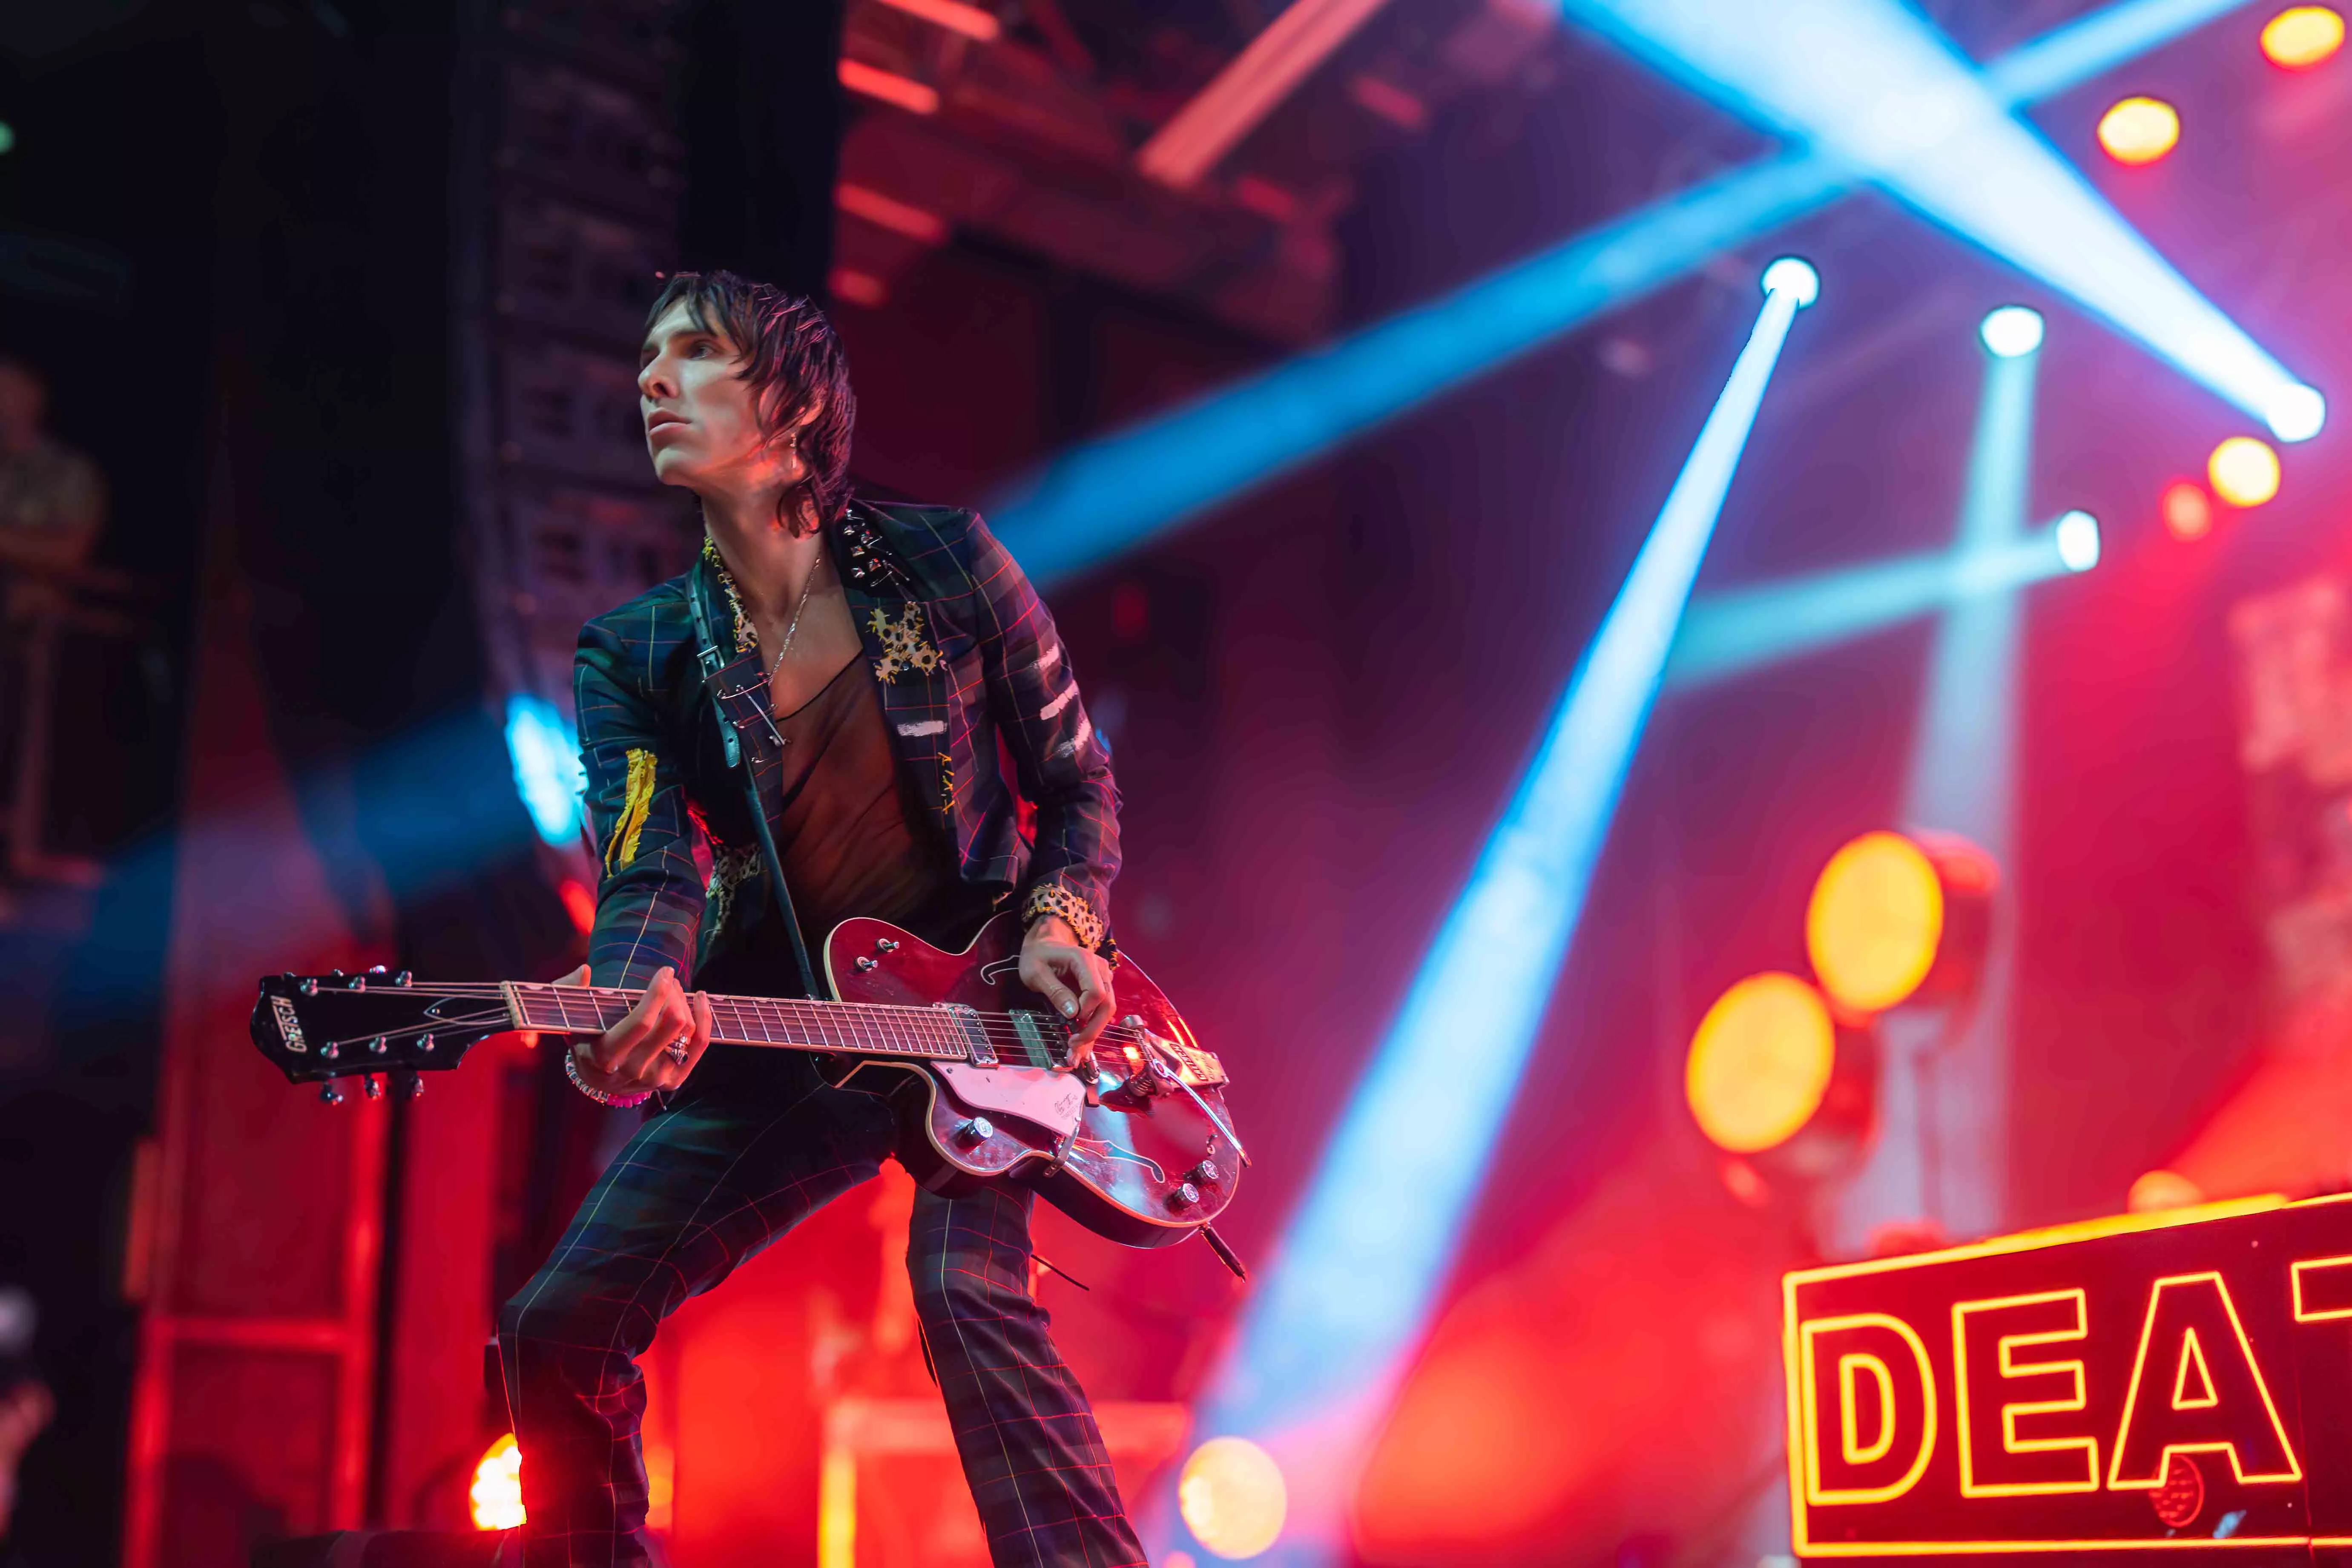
<point x="998" y="1026"/>
<point x="1005" y="1032"/>
<point x="944" y="1049"/>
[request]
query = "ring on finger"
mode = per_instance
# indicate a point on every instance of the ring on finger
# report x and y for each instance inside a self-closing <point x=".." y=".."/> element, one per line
<point x="676" y="1049"/>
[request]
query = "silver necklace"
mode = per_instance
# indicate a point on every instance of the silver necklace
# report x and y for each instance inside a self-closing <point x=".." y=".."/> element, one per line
<point x="791" y="628"/>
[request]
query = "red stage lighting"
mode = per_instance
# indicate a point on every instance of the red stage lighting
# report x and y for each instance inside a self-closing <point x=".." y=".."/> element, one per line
<point x="2300" y="38"/>
<point x="578" y="902"/>
<point x="2139" y="130"/>
<point x="2188" y="511"/>
<point x="496" y="1491"/>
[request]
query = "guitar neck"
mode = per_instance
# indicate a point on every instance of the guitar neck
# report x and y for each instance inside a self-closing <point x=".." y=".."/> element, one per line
<point x="934" y="1034"/>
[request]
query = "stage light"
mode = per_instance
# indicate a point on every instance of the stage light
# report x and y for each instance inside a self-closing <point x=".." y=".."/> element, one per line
<point x="1099" y="498"/>
<point x="547" y="771"/>
<point x="2155" y="1191"/>
<point x="1875" y="921"/>
<point x="888" y="87"/>
<point x="1324" y="1340"/>
<point x="2140" y="130"/>
<point x="1873" y="82"/>
<point x="2077" y="538"/>
<point x="1760" y="1063"/>
<point x="1795" y="275"/>
<point x="1947" y="1070"/>
<point x="2188" y="511"/>
<point x="2244" y="471"/>
<point x="2296" y="413"/>
<point x="1894" y="917"/>
<point x="2302" y="37"/>
<point x="1735" y="630"/>
<point x="2012" y="331"/>
<point x="8" y="137"/>
<point x="496" y="1492"/>
<point x="1233" y="1498"/>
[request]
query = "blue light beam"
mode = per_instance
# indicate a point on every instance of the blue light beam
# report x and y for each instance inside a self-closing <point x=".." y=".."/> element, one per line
<point x="1944" y="1096"/>
<point x="1872" y="84"/>
<point x="1347" y="1295"/>
<point x="1737" y="630"/>
<point x="1102" y="497"/>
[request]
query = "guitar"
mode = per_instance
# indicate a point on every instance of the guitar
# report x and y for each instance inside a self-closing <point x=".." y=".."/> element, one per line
<point x="1136" y="1146"/>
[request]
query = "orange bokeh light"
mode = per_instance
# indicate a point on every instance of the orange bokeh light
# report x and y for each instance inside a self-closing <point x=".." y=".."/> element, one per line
<point x="496" y="1491"/>
<point x="2300" y="38"/>
<point x="1761" y="1062"/>
<point x="2157" y="1191"/>
<point x="1875" y="921"/>
<point x="1233" y="1497"/>
<point x="2139" y="130"/>
<point x="2244" y="471"/>
<point x="2188" y="511"/>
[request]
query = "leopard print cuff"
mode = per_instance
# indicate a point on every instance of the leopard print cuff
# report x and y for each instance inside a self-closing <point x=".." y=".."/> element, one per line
<point x="1053" y="899"/>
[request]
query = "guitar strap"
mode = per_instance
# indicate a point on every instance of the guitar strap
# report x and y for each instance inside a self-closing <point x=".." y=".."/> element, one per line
<point x="707" y="653"/>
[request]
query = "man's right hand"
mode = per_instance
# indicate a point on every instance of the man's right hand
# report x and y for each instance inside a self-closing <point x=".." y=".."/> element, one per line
<point x="634" y="1055"/>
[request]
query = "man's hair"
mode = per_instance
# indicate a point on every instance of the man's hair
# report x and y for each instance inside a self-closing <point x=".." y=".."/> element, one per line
<point x="794" y="363"/>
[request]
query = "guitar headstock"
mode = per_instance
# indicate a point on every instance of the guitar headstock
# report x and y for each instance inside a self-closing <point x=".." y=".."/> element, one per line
<point x="318" y="1028"/>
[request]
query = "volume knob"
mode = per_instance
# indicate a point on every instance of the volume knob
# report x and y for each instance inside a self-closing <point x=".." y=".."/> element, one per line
<point x="1206" y="1174"/>
<point x="976" y="1129"/>
<point x="1184" y="1197"/>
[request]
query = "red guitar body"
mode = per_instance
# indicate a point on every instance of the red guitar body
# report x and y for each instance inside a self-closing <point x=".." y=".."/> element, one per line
<point x="1146" y="1170"/>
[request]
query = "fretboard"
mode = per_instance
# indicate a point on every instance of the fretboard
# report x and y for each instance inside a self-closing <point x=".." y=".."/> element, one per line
<point x="1017" y="1038"/>
<point x="940" y="1033"/>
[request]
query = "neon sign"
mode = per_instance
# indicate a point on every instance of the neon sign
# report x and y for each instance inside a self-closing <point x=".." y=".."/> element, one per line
<point x="2163" y="1383"/>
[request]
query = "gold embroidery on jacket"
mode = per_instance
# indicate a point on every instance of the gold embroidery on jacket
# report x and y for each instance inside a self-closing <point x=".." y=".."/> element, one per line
<point x="623" y="847"/>
<point x="746" y="639"/>
<point x="904" y="645"/>
<point x="730" y="868"/>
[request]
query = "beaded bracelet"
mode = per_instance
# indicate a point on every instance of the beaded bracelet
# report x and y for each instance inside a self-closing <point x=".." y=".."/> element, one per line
<point x="617" y="1102"/>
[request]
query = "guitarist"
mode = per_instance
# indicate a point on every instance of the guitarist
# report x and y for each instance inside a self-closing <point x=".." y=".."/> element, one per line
<point x="897" y="648"/>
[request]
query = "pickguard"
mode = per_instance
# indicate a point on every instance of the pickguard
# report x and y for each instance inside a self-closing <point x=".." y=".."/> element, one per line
<point x="1052" y="1100"/>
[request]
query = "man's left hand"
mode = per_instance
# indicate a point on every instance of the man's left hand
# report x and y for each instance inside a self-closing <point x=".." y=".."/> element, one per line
<point x="1071" y="977"/>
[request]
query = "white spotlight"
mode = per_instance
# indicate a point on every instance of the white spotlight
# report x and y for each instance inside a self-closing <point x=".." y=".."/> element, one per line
<point x="1795" y="274"/>
<point x="2296" y="413"/>
<point x="2012" y="331"/>
<point x="2078" y="539"/>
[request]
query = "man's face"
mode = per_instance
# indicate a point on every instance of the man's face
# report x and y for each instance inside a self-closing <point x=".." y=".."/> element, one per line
<point x="702" y="423"/>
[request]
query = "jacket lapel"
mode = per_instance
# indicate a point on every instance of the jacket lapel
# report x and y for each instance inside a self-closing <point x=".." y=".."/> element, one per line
<point x="901" y="636"/>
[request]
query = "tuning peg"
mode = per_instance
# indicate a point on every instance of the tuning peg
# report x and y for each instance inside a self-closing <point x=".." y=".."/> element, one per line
<point x="402" y="978"/>
<point x="307" y="986"/>
<point x="331" y="1093"/>
<point x="335" y="974"/>
<point x="409" y="1083"/>
<point x="424" y="1044"/>
<point x="375" y="969"/>
<point x="374" y="1089"/>
<point x="376" y="1046"/>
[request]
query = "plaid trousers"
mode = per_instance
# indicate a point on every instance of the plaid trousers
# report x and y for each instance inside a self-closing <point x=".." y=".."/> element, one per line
<point x="706" y="1185"/>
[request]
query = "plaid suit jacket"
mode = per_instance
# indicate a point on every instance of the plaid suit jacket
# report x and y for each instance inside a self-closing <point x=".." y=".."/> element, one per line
<point x="964" y="657"/>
